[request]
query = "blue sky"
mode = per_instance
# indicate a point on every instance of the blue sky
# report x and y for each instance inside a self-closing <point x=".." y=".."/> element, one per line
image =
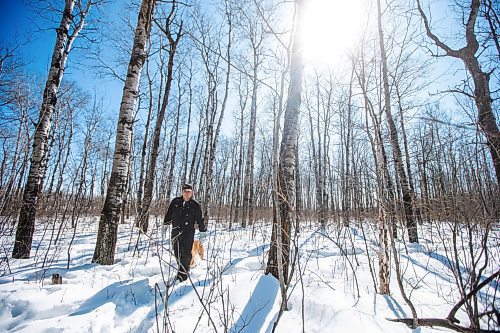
<point x="15" y="27"/>
<point x="18" y="24"/>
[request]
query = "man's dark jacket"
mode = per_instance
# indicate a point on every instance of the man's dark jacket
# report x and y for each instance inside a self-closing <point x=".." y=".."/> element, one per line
<point x="184" y="215"/>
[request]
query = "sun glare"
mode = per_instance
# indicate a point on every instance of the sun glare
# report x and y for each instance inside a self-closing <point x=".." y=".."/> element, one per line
<point x="331" y="28"/>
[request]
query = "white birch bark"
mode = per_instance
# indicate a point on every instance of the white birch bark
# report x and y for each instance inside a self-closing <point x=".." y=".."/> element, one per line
<point x="278" y="264"/>
<point x="384" y="203"/>
<point x="106" y="238"/>
<point x="38" y="161"/>
<point x="396" y="149"/>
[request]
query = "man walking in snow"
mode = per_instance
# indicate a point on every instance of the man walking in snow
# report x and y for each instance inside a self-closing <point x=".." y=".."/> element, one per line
<point x="185" y="215"/>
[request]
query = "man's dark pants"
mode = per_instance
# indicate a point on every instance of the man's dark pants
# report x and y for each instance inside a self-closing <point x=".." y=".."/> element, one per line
<point x="182" y="242"/>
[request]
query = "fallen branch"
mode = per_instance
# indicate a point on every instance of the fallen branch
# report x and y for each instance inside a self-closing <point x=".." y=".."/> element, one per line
<point x="451" y="322"/>
<point x="451" y="315"/>
<point x="441" y="323"/>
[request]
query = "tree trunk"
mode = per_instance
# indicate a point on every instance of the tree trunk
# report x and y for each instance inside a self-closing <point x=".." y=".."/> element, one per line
<point x="190" y="109"/>
<point x="243" y="102"/>
<point x="170" y="177"/>
<point x="385" y="193"/>
<point x="7" y="196"/>
<point x="213" y="137"/>
<point x="298" y="193"/>
<point x="346" y="188"/>
<point x="286" y="166"/>
<point x="38" y="161"/>
<point x="486" y="118"/>
<point x="108" y="225"/>
<point x="411" y="224"/>
<point x="418" y="215"/>
<point x="316" y="162"/>
<point x="482" y="95"/>
<point x="155" y="145"/>
<point x="248" y="189"/>
<point x="145" y="143"/>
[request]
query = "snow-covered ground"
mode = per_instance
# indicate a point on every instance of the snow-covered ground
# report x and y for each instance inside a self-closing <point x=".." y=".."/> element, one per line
<point x="332" y="290"/>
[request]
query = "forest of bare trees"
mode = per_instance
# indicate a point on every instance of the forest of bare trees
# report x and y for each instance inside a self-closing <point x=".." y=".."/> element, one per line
<point x="221" y="95"/>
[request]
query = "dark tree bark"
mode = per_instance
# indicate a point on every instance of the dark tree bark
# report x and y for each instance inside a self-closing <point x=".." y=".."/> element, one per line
<point x="486" y="118"/>
<point x="256" y="36"/>
<point x="143" y="214"/>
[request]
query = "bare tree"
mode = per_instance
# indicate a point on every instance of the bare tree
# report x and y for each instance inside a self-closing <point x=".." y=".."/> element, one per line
<point x="256" y="34"/>
<point x="69" y="28"/>
<point x="214" y="106"/>
<point x="279" y="254"/>
<point x="385" y="194"/>
<point x="143" y="214"/>
<point x="108" y="225"/>
<point x="411" y="224"/>
<point x="243" y="98"/>
<point x="317" y="153"/>
<point x="144" y="148"/>
<point x="486" y="118"/>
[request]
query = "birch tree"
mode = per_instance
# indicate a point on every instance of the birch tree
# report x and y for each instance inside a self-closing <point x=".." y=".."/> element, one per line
<point x="72" y="22"/>
<point x="279" y="254"/>
<point x="144" y="147"/>
<point x="243" y="98"/>
<point x="110" y="215"/>
<point x="17" y="103"/>
<point x="411" y="224"/>
<point x="385" y="194"/>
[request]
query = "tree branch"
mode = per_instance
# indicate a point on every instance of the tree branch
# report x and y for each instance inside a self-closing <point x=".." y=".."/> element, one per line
<point x="472" y="43"/>
<point x="441" y="323"/>
<point x="449" y="51"/>
<point x="451" y="315"/>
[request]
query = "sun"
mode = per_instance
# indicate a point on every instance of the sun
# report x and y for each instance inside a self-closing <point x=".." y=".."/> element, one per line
<point x="330" y="29"/>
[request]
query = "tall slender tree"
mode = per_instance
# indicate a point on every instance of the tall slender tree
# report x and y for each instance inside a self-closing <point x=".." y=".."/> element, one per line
<point x="68" y="30"/>
<point x="256" y="37"/>
<point x="279" y="254"/>
<point x="145" y="142"/>
<point x="411" y="223"/>
<point x="104" y="252"/>
<point x="173" y="41"/>
<point x="212" y="136"/>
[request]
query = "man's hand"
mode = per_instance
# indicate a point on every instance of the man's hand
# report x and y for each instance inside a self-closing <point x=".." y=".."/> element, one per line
<point x="202" y="236"/>
<point x="202" y="226"/>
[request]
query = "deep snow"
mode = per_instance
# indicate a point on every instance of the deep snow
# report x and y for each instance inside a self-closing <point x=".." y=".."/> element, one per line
<point x="227" y="291"/>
